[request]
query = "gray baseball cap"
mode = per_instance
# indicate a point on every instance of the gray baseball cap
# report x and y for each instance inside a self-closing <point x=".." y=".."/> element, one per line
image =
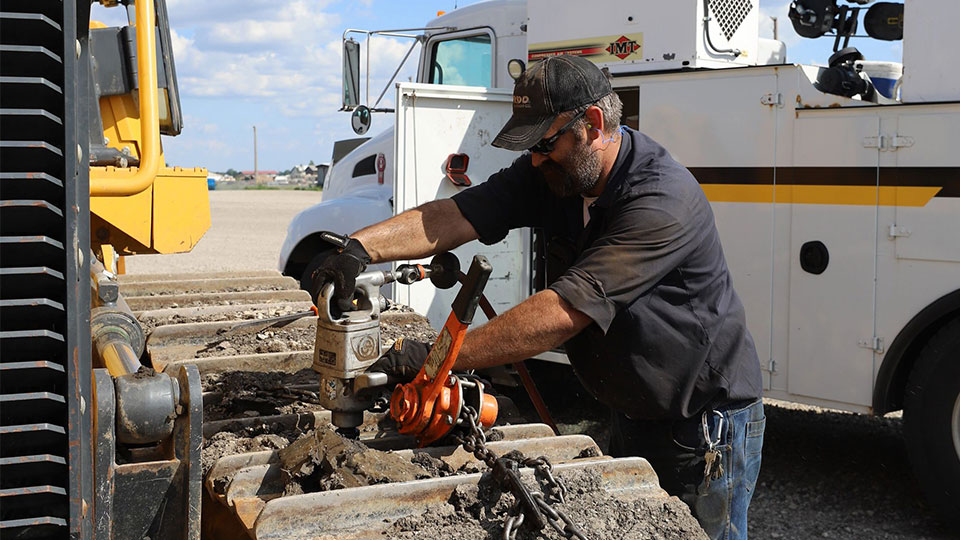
<point x="549" y="87"/>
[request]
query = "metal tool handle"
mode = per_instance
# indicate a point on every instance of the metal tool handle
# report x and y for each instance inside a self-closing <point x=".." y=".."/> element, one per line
<point x="467" y="300"/>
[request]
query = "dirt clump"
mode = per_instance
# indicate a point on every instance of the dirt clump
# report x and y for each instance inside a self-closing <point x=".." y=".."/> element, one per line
<point x="436" y="467"/>
<point x="249" y="394"/>
<point x="324" y="461"/>
<point x="479" y="512"/>
<point x="299" y="338"/>
<point x="228" y="443"/>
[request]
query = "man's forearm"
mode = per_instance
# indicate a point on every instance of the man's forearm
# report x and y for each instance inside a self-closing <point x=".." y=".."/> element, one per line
<point x="428" y="229"/>
<point x="539" y="323"/>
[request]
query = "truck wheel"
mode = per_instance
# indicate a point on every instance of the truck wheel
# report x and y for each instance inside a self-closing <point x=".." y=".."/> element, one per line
<point x="931" y="416"/>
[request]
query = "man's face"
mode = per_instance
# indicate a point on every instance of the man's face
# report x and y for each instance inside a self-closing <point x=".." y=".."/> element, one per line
<point x="573" y="168"/>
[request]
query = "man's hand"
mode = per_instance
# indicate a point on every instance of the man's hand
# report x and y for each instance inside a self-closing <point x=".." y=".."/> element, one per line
<point x="404" y="359"/>
<point x="341" y="268"/>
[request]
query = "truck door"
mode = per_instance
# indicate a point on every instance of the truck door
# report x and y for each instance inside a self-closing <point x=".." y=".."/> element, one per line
<point x="927" y="217"/>
<point x="833" y="243"/>
<point x="434" y="122"/>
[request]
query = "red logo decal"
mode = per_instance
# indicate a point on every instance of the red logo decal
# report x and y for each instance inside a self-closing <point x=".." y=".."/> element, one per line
<point x="623" y="47"/>
<point x="381" y="166"/>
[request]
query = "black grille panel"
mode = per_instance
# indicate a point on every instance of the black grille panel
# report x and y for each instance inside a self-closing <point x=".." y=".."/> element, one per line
<point x="38" y="311"/>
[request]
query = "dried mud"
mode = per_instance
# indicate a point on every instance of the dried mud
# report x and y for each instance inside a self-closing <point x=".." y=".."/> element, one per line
<point x="323" y="461"/>
<point x="273" y="340"/>
<point x="479" y="512"/>
<point x="153" y="321"/>
<point x="249" y="394"/>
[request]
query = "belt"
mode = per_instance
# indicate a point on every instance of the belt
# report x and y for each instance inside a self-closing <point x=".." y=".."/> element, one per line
<point x="735" y="405"/>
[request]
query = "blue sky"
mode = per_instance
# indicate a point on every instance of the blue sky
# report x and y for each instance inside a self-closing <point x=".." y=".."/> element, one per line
<point x="276" y="65"/>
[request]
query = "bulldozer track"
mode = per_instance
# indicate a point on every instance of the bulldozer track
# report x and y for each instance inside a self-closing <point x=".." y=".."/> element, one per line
<point x="258" y="385"/>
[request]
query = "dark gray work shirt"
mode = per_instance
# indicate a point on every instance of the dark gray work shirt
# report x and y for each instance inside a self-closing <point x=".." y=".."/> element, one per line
<point x="669" y="337"/>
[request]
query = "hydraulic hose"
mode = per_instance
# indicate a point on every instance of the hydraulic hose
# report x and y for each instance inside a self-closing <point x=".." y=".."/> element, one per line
<point x="706" y="33"/>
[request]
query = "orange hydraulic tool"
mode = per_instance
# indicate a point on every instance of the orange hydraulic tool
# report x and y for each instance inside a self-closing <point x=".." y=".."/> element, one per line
<point x="435" y="401"/>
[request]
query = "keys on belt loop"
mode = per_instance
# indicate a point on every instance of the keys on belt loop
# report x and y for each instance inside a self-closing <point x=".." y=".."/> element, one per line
<point x="713" y="469"/>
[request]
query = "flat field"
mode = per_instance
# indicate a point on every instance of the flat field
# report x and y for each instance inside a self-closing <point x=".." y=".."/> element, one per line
<point x="247" y="229"/>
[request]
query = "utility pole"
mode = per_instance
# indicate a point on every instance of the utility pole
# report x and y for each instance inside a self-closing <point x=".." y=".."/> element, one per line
<point x="775" y="32"/>
<point x="256" y="175"/>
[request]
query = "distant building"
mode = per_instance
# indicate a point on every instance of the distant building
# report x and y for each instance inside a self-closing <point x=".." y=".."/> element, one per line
<point x="219" y="177"/>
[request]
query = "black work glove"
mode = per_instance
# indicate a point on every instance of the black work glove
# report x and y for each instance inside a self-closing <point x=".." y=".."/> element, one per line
<point x="403" y="360"/>
<point x="341" y="268"/>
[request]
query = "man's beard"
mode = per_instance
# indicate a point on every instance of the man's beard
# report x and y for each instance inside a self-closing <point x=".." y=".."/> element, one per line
<point x="577" y="173"/>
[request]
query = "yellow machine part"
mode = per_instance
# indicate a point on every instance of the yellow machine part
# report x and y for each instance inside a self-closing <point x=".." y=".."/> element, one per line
<point x="169" y="217"/>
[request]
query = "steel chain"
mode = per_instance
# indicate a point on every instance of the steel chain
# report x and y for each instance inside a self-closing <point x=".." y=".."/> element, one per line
<point x="475" y="442"/>
<point x="511" y="526"/>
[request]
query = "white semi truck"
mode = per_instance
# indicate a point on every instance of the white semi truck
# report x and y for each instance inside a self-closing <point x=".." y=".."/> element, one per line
<point x="836" y="188"/>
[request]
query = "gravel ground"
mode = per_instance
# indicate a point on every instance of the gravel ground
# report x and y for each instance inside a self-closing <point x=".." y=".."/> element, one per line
<point x="246" y="232"/>
<point x="831" y="474"/>
<point x="825" y="474"/>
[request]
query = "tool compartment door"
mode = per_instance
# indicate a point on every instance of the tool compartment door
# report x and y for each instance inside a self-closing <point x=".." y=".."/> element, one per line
<point x="927" y="177"/>
<point x="433" y="122"/>
<point x="833" y="191"/>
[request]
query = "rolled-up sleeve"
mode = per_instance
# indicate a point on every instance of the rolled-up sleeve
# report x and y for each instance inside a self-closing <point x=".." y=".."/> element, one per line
<point x="648" y="235"/>
<point x="509" y="199"/>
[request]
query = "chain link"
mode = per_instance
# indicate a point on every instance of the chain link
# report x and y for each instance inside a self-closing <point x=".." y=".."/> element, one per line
<point x="475" y="442"/>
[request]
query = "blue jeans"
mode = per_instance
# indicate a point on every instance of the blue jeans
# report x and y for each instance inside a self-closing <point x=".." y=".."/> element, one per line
<point x="676" y="452"/>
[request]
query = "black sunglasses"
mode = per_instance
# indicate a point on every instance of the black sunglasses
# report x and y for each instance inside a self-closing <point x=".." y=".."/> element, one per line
<point x="545" y="146"/>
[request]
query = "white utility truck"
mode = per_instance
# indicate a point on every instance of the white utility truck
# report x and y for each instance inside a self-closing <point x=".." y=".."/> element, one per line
<point x="836" y="188"/>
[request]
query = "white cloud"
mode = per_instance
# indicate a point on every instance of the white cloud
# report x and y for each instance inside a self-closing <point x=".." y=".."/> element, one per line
<point x="288" y="56"/>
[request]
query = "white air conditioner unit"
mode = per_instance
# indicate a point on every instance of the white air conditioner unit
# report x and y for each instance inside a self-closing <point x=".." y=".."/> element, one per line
<point x="646" y="35"/>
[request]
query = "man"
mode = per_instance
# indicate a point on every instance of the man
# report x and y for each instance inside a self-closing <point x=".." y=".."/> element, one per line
<point x="643" y="301"/>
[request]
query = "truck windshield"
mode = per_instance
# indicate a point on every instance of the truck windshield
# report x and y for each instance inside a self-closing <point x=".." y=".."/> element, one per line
<point x="463" y="61"/>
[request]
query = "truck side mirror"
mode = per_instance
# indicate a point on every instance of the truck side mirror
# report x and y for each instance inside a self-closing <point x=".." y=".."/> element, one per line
<point x="360" y="120"/>
<point x="351" y="74"/>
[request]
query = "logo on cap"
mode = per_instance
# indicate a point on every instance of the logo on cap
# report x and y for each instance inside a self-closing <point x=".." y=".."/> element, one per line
<point x="623" y="47"/>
